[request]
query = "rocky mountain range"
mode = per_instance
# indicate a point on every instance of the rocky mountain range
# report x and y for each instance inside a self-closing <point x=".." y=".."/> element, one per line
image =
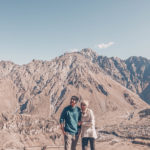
<point x="33" y="95"/>
<point x="133" y="73"/>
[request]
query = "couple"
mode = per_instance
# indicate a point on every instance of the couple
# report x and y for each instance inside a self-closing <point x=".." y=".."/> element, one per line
<point x="74" y="120"/>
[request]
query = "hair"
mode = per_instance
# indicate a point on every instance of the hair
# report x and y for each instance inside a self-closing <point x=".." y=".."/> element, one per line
<point x="85" y="102"/>
<point x="75" y="98"/>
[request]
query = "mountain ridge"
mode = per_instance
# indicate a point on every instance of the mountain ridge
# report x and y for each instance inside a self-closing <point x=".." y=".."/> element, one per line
<point x="33" y="96"/>
<point x="34" y="78"/>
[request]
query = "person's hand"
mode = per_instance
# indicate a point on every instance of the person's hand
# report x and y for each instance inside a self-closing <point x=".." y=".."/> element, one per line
<point x="62" y="128"/>
<point x="79" y="123"/>
<point x="64" y="133"/>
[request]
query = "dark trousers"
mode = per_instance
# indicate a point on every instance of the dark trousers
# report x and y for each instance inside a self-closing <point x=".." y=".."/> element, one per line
<point x="85" y="143"/>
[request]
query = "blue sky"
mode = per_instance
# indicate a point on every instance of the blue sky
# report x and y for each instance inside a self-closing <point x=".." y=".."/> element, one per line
<point x="45" y="29"/>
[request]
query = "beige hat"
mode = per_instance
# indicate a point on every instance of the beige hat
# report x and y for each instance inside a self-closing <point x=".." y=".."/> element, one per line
<point x="85" y="102"/>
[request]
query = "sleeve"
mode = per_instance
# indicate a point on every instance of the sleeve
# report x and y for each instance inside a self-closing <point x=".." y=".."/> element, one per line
<point x="91" y="121"/>
<point x="62" y="116"/>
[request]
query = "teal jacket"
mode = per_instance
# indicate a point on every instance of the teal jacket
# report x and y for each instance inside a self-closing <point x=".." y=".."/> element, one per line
<point x="70" y="117"/>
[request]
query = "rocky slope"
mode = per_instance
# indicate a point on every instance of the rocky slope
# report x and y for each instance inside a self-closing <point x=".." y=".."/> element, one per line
<point x="33" y="95"/>
<point x="42" y="86"/>
<point x="133" y="73"/>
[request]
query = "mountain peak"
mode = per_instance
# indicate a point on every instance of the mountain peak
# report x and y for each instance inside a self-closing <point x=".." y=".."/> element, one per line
<point x="89" y="53"/>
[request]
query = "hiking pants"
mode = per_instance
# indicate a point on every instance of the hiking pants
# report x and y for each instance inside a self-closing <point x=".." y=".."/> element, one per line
<point x="70" y="141"/>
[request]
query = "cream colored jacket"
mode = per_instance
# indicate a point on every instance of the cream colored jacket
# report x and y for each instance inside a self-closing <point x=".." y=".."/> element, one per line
<point x="88" y="124"/>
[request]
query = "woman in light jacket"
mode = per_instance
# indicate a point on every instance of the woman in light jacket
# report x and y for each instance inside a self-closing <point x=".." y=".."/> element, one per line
<point x="88" y="132"/>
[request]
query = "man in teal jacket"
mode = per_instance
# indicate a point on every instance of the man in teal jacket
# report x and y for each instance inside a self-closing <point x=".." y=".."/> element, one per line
<point x="69" y="119"/>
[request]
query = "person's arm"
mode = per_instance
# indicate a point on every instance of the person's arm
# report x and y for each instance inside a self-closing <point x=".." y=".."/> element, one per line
<point x="62" y="128"/>
<point x="61" y="121"/>
<point x="79" y="123"/>
<point x="91" y="122"/>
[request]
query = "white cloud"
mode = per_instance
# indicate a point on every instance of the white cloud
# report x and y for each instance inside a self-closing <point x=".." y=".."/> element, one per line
<point x="103" y="45"/>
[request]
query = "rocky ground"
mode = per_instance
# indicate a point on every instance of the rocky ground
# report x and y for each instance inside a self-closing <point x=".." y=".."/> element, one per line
<point x="30" y="133"/>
